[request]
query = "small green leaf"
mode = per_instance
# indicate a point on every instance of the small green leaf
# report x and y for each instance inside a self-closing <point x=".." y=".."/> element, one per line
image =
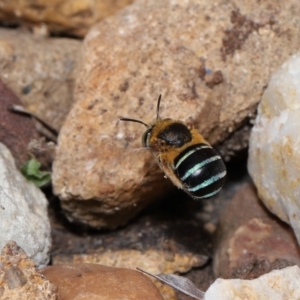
<point x="31" y="171"/>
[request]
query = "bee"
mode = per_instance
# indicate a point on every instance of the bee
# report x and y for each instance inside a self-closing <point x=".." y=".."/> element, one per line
<point x="184" y="155"/>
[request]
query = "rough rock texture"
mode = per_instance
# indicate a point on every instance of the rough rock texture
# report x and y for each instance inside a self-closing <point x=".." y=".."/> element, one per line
<point x="19" y="278"/>
<point x="16" y="131"/>
<point x="155" y="262"/>
<point x="250" y="241"/>
<point x="274" y="154"/>
<point x="169" y="236"/>
<point x="23" y="212"/>
<point x="40" y="71"/>
<point x="210" y="59"/>
<point x="276" y="285"/>
<point x="67" y="16"/>
<point x="92" y="281"/>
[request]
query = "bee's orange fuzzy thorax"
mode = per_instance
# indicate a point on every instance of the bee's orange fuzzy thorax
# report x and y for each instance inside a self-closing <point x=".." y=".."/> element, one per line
<point x="166" y="152"/>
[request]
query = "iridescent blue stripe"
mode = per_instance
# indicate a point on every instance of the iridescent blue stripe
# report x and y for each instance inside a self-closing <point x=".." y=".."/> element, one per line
<point x="207" y="182"/>
<point x="208" y="195"/>
<point x="199" y="166"/>
<point x="190" y="153"/>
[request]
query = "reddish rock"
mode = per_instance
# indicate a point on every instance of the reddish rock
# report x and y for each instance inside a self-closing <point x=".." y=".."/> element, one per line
<point x="250" y="240"/>
<point x="16" y="131"/>
<point x="92" y="281"/>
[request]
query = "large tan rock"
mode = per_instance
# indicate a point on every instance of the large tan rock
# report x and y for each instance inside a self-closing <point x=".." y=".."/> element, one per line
<point x="209" y="60"/>
<point x="92" y="281"/>
<point x="66" y="16"/>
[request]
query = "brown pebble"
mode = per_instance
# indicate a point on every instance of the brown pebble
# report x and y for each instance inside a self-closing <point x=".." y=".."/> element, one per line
<point x="93" y="281"/>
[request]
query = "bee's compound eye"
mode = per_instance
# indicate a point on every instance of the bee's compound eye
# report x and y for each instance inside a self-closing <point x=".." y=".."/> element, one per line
<point x="145" y="137"/>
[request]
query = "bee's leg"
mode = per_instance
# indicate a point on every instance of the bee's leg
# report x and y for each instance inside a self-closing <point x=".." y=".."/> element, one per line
<point x="170" y="174"/>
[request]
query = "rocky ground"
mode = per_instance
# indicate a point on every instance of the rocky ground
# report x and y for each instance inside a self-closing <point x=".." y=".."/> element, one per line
<point x="83" y="205"/>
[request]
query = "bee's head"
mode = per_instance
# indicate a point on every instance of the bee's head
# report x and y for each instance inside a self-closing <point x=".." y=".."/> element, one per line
<point x="147" y="133"/>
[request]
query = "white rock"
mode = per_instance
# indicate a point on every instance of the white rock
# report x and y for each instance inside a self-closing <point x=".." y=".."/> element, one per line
<point x="23" y="212"/>
<point x="277" y="285"/>
<point x="274" y="153"/>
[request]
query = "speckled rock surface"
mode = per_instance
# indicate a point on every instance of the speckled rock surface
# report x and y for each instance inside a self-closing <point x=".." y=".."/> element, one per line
<point x="40" y="71"/>
<point x="274" y="154"/>
<point x="153" y="261"/>
<point x="19" y="278"/>
<point x="276" y="285"/>
<point x="250" y="241"/>
<point x="210" y="61"/>
<point x="23" y="212"/>
<point x="67" y="16"/>
<point x="92" y="281"/>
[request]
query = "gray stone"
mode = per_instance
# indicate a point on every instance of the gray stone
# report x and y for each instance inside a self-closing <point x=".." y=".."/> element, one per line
<point x="277" y="285"/>
<point x="23" y="212"/>
<point x="274" y="154"/>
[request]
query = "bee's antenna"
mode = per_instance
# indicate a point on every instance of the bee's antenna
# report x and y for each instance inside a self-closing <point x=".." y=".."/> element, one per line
<point x="157" y="109"/>
<point x="134" y="120"/>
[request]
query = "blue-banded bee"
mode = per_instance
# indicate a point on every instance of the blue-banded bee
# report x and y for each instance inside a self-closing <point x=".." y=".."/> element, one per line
<point x="184" y="155"/>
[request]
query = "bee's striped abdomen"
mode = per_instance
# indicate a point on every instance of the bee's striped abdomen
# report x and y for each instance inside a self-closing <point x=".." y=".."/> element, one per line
<point x="201" y="170"/>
